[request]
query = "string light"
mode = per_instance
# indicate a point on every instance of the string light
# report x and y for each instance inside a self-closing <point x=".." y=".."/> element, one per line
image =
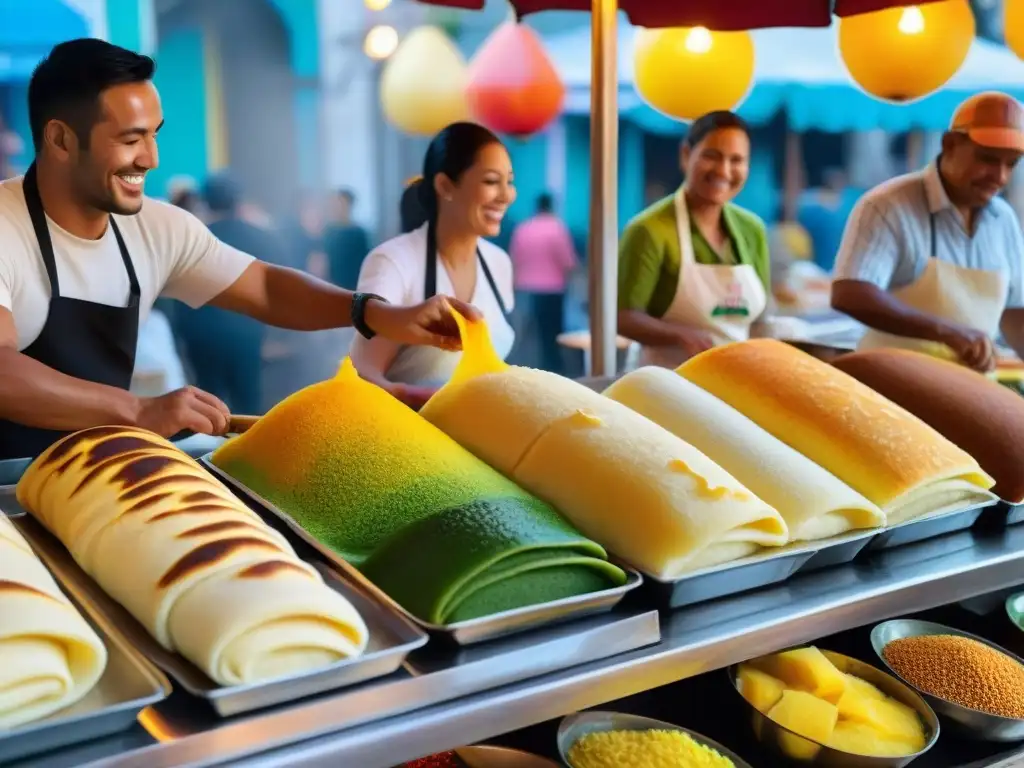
<point x="380" y="42"/>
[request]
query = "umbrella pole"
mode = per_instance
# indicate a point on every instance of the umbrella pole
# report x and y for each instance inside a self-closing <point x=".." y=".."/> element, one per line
<point x="602" y="243"/>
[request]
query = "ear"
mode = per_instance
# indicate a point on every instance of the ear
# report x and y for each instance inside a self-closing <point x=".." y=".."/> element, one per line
<point x="684" y="157"/>
<point x="949" y="142"/>
<point x="60" y="139"/>
<point x="443" y="186"/>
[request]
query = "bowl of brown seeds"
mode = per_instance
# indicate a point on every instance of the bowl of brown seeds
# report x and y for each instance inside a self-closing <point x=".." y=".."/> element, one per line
<point x="974" y="685"/>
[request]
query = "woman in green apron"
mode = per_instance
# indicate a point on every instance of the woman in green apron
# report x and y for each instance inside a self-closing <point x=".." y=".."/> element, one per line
<point x="694" y="268"/>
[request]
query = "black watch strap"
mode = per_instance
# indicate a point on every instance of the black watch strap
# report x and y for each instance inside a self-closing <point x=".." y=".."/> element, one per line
<point x="359" y="302"/>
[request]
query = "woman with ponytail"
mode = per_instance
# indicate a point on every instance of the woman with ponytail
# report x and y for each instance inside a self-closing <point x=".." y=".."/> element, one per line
<point x="462" y="197"/>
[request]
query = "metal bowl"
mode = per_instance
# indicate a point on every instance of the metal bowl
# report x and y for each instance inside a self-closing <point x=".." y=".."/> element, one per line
<point x="967" y="722"/>
<point x="575" y="727"/>
<point x="501" y="757"/>
<point x="784" y="743"/>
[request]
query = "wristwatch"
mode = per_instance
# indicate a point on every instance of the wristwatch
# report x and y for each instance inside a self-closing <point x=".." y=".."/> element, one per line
<point x="359" y="302"/>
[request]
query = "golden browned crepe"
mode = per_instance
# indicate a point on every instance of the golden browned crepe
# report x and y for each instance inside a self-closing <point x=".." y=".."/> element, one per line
<point x="49" y="655"/>
<point x="870" y="443"/>
<point x="981" y="416"/>
<point x="204" y="574"/>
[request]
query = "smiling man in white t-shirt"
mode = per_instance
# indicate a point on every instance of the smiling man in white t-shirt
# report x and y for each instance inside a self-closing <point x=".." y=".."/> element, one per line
<point x="84" y="254"/>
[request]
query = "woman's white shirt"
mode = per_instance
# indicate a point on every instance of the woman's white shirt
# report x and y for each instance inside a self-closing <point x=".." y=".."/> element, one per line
<point x="396" y="270"/>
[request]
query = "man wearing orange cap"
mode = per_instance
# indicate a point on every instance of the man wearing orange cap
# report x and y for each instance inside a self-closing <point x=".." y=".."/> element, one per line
<point x="932" y="260"/>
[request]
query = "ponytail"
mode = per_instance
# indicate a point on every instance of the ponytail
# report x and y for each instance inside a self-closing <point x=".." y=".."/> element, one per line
<point x="411" y="211"/>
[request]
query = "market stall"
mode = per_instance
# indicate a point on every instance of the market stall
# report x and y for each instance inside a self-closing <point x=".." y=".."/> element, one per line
<point x="524" y="548"/>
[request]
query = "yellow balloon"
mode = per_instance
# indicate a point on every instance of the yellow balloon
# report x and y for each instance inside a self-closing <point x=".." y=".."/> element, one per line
<point x="423" y="85"/>
<point x="1013" y="25"/>
<point x="905" y="53"/>
<point x="686" y="72"/>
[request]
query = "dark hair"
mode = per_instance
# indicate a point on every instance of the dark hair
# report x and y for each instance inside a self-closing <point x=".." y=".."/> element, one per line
<point x="222" y="194"/>
<point x="185" y="199"/>
<point x="452" y="152"/>
<point x="67" y="84"/>
<point x="410" y="211"/>
<point x="346" y="194"/>
<point x="545" y="203"/>
<point x="711" y="122"/>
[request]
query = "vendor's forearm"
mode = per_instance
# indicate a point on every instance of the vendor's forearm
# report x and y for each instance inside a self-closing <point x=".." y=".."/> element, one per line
<point x="36" y="395"/>
<point x="287" y="298"/>
<point x="882" y="311"/>
<point x="650" y="331"/>
<point x="1012" y="326"/>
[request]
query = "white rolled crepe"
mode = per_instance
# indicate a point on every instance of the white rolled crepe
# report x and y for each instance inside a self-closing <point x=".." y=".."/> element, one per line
<point x="49" y="655"/>
<point x="814" y="503"/>
<point x="199" y="570"/>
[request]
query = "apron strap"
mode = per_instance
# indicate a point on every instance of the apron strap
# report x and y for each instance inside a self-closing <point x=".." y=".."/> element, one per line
<point x="932" y="242"/>
<point x="36" y="213"/>
<point x="430" y="274"/>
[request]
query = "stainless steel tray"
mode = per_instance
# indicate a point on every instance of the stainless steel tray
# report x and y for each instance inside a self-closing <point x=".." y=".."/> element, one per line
<point x="929" y="527"/>
<point x="8" y="502"/>
<point x="752" y="572"/>
<point x="129" y="684"/>
<point x="521" y="657"/>
<point x="1014" y="512"/>
<point x="463" y="632"/>
<point x="839" y="550"/>
<point x="392" y="638"/>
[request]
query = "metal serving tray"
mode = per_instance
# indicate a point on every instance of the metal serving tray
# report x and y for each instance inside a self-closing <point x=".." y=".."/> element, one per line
<point x="129" y="684"/>
<point x="928" y="527"/>
<point x="839" y="550"/>
<point x="1014" y="513"/>
<point x="462" y="632"/>
<point x="392" y="638"/>
<point x="752" y="572"/>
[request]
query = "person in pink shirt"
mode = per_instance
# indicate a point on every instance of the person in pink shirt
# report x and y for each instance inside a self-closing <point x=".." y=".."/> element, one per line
<point x="543" y="256"/>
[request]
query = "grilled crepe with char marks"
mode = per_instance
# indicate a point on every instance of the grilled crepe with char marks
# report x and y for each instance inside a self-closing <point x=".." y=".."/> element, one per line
<point x="49" y="655"/>
<point x="198" y="569"/>
<point x="872" y="444"/>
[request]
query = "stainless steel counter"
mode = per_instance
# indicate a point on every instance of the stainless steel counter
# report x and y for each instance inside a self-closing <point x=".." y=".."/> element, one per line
<point x="694" y="640"/>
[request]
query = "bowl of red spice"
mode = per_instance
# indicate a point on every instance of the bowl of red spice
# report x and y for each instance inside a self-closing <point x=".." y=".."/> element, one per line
<point x="973" y="684"/>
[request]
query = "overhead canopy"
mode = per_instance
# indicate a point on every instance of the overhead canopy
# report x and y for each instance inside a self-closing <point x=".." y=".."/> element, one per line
<point x="724" y="15"/>
<point x="799" y="71"/>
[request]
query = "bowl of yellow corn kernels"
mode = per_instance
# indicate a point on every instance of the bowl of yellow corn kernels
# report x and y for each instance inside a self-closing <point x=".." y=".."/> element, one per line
<point x="821" y="708"/>
<point x="617" y="740"/>
<point x="975" y="686"/>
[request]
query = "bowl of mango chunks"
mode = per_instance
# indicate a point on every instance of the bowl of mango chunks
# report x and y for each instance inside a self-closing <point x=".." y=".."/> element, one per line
<point x="821" y="708"/>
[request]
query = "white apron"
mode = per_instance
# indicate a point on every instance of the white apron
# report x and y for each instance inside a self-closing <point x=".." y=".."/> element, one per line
<point x="432" y="367"/>
<point x="972" y="297"/>
<point x="722" y="299"/>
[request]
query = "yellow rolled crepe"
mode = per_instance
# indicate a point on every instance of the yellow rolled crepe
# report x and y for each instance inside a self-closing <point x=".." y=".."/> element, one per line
<point x="49" y="655"/>
<point x="879" y="449"/>
<point x="637" y="489"/>
<point x="200" y="571"/>
<point x="814" y="503"/>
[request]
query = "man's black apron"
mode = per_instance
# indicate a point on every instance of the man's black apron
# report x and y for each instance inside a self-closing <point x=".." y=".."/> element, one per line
<point x="89" y="341"/>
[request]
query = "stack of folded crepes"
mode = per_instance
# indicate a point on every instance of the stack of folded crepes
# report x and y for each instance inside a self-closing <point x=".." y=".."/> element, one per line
<point x="814" y="503"/>
<point x="875" y="446"/>
<point x="631" y="485"/>
<point x="438" y="530"/>
<point x="49" y="655"/>
<point x="200" y="571"/>
<point x="981" y="416"/>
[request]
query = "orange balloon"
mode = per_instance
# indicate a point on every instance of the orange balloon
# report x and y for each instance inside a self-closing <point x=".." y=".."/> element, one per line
<point x="903" y="54"/>
<point x="686" y="72"/>
<point x="513" y="86"/>
<point x="1014" y="25"/>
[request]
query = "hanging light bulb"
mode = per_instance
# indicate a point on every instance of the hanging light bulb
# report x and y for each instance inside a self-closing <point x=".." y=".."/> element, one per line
<point x="685" y="72"/>
<point x="376" y="5"/>
<point x="911" y="21"/>
<point x="904" y="53"/>
<point x="380" y="42"/>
